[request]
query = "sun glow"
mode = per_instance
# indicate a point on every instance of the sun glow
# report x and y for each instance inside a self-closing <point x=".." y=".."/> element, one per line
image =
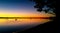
<point x="25" y="14"/>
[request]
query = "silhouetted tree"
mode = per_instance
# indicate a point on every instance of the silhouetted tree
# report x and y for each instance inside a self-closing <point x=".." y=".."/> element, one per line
<point x="45" y="5"/>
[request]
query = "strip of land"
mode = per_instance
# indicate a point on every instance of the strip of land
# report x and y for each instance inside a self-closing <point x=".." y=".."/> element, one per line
<point x="26" y="17"/>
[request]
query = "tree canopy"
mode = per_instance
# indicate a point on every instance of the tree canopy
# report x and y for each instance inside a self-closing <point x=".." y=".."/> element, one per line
<point x="45" y="5"/>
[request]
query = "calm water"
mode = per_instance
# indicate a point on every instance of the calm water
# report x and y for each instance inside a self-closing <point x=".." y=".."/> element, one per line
<point x="10" y="26"/>
<point x="8" y="29"/>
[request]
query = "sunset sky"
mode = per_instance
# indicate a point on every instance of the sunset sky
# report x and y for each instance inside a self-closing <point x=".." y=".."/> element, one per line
<point x="17" y="8"/>
<point x="20" y="8"/>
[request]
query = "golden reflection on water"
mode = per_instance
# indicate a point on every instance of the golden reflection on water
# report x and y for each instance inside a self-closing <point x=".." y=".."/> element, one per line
<point x="7" y="22"/>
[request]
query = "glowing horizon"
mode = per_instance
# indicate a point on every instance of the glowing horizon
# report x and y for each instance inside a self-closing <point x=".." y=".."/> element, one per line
<point x="25" y="14"/>
<point x="11" y="22"/>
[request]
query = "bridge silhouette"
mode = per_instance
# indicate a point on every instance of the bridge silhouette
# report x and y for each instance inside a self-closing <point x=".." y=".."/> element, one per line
<point x="26" y="18"/>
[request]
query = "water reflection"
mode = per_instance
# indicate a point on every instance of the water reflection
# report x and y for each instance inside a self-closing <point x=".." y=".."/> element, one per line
<point x="10" y="25"/>
<point x="6" y="22"/>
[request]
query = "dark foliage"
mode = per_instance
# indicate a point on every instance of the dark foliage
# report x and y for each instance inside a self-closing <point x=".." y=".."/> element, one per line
<point x="50" y="5"/>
